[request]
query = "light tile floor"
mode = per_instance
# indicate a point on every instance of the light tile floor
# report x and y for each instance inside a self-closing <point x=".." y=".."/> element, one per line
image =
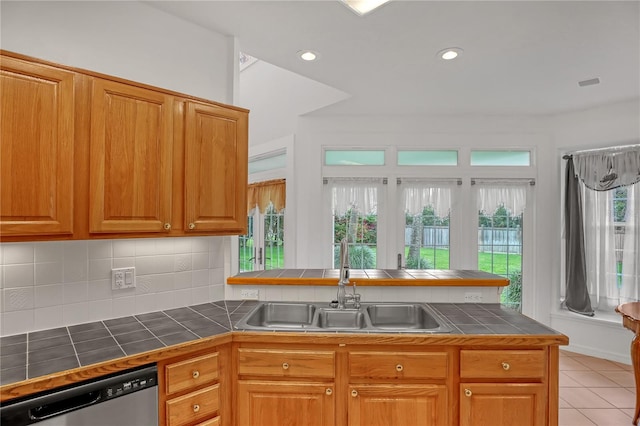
<point x="595" y="391"/>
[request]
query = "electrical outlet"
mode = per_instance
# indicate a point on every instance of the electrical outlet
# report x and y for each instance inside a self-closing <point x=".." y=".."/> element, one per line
<point x="122" y="278"/>
<point x="249" y="294"/>
<point x="473" y="298"/>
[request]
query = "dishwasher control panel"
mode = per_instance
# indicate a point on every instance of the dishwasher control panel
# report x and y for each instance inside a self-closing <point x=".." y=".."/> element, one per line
<point x="132" y="385"/>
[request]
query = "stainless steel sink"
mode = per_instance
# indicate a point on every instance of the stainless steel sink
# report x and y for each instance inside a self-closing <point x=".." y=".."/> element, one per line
<point x="341" y="318"/>
<point x="370" y="317"/>
<point x="279" y="315"/>
<point x="402" y="316"/>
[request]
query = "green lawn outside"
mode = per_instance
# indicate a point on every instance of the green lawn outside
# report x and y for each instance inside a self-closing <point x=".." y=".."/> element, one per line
<point x="438" y="257"/>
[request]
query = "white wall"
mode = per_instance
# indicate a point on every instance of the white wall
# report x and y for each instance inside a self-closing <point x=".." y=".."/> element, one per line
<point x="280" y="96"/>
<point x="122" y="38"/>
<point x="609" y="125"/>
<point x="45" y="285"/>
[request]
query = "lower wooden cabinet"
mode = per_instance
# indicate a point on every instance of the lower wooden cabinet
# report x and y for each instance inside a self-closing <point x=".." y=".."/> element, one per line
<point x="196" y="405"/>
<point x="193" y="389"/>
<point x="394" y="385"/>
<point x="285" y="403"/>
<point x="502" y="404"/>
<point x="385" y="405"/>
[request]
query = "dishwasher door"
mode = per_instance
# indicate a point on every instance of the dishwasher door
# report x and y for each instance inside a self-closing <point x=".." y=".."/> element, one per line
<point x="136" y="409"/>
<point x="127" y="398"/>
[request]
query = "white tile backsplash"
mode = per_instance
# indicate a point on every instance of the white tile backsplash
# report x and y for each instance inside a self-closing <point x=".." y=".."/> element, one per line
<point x="18" y="275"/>
<point x="18" y="253"/>
<point x="47" y="284"/>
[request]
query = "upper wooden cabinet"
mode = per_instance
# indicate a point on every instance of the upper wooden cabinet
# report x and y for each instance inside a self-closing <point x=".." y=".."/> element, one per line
<point x="37" y="149"/>
<point x="86" y="155"/>
<point x="130" y="170"/>
<point x="215" y="198"/>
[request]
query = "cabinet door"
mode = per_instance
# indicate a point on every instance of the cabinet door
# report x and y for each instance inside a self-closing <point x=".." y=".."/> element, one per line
<point x="502" y="404"/>
<point x="400" y="405"/>
<point x="36" y="156"/>
<point x="216" y="164"/>
<point x="131" y="159"/>
<point x="290" y="403"/>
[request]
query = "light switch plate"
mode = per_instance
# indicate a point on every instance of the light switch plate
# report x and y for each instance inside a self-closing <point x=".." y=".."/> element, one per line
<point x="122" y="278"/>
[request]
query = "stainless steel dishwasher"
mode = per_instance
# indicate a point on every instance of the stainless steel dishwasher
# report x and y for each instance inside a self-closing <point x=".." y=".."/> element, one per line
<point x="128" y="398"/>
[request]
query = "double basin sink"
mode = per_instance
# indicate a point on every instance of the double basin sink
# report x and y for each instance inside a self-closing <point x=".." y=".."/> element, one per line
<point x="369" y="317"/>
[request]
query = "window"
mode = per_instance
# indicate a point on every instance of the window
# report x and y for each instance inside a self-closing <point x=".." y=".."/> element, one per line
<point x="426" y="210"/>
<point x="354" y="207"/>
<point x="500" y="158"/>
<point x="263" y="245"/>
<point x="500" y="234"/>
<point x="363" y="157"/>
<point x="427" y="158"/>
<point x="611" y="245"/>
<point x="602" y="229"/>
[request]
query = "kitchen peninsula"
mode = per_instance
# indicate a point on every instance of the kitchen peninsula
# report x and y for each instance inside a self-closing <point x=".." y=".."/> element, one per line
<point x="495" y="364"/>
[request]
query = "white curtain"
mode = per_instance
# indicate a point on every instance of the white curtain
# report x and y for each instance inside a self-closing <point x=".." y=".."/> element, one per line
<point x="493" y="193"/>
<point x="418" y="194"/>
<point x="608" y="242"/>
<point x="360" y="194"/>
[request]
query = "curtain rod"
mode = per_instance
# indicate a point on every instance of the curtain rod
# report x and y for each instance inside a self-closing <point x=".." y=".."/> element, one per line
<point x="610" y="148"/>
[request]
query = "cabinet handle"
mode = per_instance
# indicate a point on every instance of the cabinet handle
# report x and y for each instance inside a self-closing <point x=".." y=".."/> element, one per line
<point x="285" y="366"/>
<point x="196" y="408"/>
<point x="505" y="366"/>
<point x="167" y="226"/>
<point x="329" y="391"/>
<point x="467" y="392"/>
<point x="195" y="374"/>
<point x="399" y="367"/>
<point x="192" y="225"/>
<point x="354" y="393"/>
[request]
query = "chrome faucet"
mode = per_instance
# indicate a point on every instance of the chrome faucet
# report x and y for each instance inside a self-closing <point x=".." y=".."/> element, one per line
<point x="343" y="297"/>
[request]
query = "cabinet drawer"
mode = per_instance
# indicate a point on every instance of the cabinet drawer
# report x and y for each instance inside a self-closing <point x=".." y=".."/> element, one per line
<point x="191" y="373"/>
<point x="400" y="365"/>
<point x="193" y="406"/>
<point x="211" y="422"/>
<point x="496" y="364"/>
<point x="286" y="363"/>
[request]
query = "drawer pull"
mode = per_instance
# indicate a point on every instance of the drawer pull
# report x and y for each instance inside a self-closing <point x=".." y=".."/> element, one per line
<point x="167" y="226"/>
<point x="399" y="367"/>
<point x="196" y="408"/>
<point x="354" y="393"/>
<point x="195" y="374"/>
<point x="505" y="366"/>
<point x="285" y="366"/>
<point x="329" y="391"/>
<point x="467" y="392"/>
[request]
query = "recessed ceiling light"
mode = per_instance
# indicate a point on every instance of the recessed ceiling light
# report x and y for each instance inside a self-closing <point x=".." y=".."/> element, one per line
<point x="449" y="53"/>
<point x="362" y="7"/>
<point x="308" y="55"/>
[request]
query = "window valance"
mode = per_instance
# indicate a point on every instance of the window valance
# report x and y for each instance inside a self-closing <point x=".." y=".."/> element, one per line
<point x="418" y="194"/>
<point x="261" y="194"/>
<point x="603" y="170"/>
<point x="360" y="194"/>
<point x="508" y="193"/>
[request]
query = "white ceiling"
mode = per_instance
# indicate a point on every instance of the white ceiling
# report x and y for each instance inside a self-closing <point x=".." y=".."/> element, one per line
<point x="519" y="57"/>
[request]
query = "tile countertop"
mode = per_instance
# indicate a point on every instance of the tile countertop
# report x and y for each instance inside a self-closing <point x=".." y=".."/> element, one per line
<point x="30" y="355"/>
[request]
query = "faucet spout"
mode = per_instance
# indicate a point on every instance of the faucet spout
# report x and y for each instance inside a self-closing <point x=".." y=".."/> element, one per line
<point x="344" y="273"/>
